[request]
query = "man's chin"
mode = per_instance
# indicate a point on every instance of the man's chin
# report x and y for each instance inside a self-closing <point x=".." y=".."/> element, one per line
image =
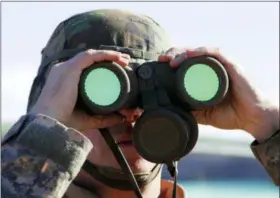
<point x="136" y="162"/>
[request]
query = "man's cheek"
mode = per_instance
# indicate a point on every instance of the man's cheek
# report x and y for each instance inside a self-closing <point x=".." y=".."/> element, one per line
<point x="99" y="144"/>
<point x="91" y="133"/>
<point x="94" y="136"/>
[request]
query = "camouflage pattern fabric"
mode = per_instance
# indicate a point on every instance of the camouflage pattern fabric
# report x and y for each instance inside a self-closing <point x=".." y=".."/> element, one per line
<point x="268" y="154"/>
<point x="42" y="160"/>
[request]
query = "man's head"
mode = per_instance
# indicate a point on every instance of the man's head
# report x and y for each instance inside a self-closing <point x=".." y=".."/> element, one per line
<point x="138" y="35"/>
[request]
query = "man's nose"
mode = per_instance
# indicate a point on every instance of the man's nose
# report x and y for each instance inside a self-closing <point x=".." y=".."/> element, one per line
<point x="131" y="115"/>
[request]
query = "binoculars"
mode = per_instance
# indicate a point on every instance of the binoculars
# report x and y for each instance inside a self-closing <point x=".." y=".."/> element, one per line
<point x="167" y="130"/>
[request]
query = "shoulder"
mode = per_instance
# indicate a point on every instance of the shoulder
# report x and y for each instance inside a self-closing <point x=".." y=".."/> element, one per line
<point x="167" y="189"/>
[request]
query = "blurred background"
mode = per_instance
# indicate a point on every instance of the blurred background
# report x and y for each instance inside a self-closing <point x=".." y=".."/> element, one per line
<point x="222" y="164"/>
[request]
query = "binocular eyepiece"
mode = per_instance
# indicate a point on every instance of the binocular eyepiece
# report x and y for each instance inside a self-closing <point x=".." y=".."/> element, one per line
<point x="166" y="131"/>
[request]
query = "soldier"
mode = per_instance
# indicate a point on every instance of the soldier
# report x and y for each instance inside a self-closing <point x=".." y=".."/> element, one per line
<point x="43" y="153"/>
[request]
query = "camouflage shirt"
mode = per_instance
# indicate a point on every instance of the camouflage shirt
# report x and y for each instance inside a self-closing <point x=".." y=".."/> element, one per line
<point x="41" y="157"/>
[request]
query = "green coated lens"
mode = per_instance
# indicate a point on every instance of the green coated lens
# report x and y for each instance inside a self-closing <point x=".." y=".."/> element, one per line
<point x="201" y="82"/>
<point x="102" y="86"/>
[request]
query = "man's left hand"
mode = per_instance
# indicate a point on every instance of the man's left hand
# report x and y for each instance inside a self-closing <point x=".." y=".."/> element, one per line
<point x="244" y="107"/>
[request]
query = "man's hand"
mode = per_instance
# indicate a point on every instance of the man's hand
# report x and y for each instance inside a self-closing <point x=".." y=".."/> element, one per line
<point x="244" y="107"/>
<point x="59" y="95"/>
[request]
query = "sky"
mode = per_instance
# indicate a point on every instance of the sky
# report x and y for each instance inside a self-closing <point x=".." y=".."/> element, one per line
<point x="248" y="33"/>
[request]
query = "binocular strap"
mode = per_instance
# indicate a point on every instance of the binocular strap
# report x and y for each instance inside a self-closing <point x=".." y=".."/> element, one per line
<point x="125" y="179"/>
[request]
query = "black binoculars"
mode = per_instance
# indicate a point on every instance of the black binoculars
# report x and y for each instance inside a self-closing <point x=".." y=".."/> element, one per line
<point x="167" y="130"/>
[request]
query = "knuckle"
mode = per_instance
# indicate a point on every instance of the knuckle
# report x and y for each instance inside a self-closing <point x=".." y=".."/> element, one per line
<point x="202" y="49"/>
<point x="206" y="50"/>
<point x="80" y="59"/>
<point x="88" y="53"/>
<point x="176" y="51"/>
<point x="102" y="52"/>
<point x="217" y="51"/>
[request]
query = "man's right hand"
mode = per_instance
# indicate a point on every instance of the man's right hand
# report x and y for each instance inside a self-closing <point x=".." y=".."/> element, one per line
<point x="59" y="95"/>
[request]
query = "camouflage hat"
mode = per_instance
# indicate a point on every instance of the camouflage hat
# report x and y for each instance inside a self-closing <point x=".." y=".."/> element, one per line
<point x="135" y="34"/>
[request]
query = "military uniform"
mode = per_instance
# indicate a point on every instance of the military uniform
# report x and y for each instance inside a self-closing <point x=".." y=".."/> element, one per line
<point x="40" y="156"/>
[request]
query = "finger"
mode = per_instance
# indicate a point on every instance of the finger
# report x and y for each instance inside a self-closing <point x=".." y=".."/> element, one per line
<point x="178" y="59"/>
<point x="174" y="51"/>
<point x="203" y="51"/>
<point x="200" y="51"/>
<point x="88" y="57"/>
<point x="123" y="62"/>
<point x="165" y="58"/>
<point x="216" y="53"/>
<point x="188" y="53"/>
<point x="108" y="120"/>
<point x="170" y="54"/>
<point x="200" y="116"/>
<point x="175" y="55"/>
<point x="107" y="55"/>
<point x="125" y="56"/>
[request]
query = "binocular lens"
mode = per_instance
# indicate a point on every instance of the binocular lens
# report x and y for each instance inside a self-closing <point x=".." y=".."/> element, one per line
<point x="201" y="82"/>
<point x="102" y="86"/>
